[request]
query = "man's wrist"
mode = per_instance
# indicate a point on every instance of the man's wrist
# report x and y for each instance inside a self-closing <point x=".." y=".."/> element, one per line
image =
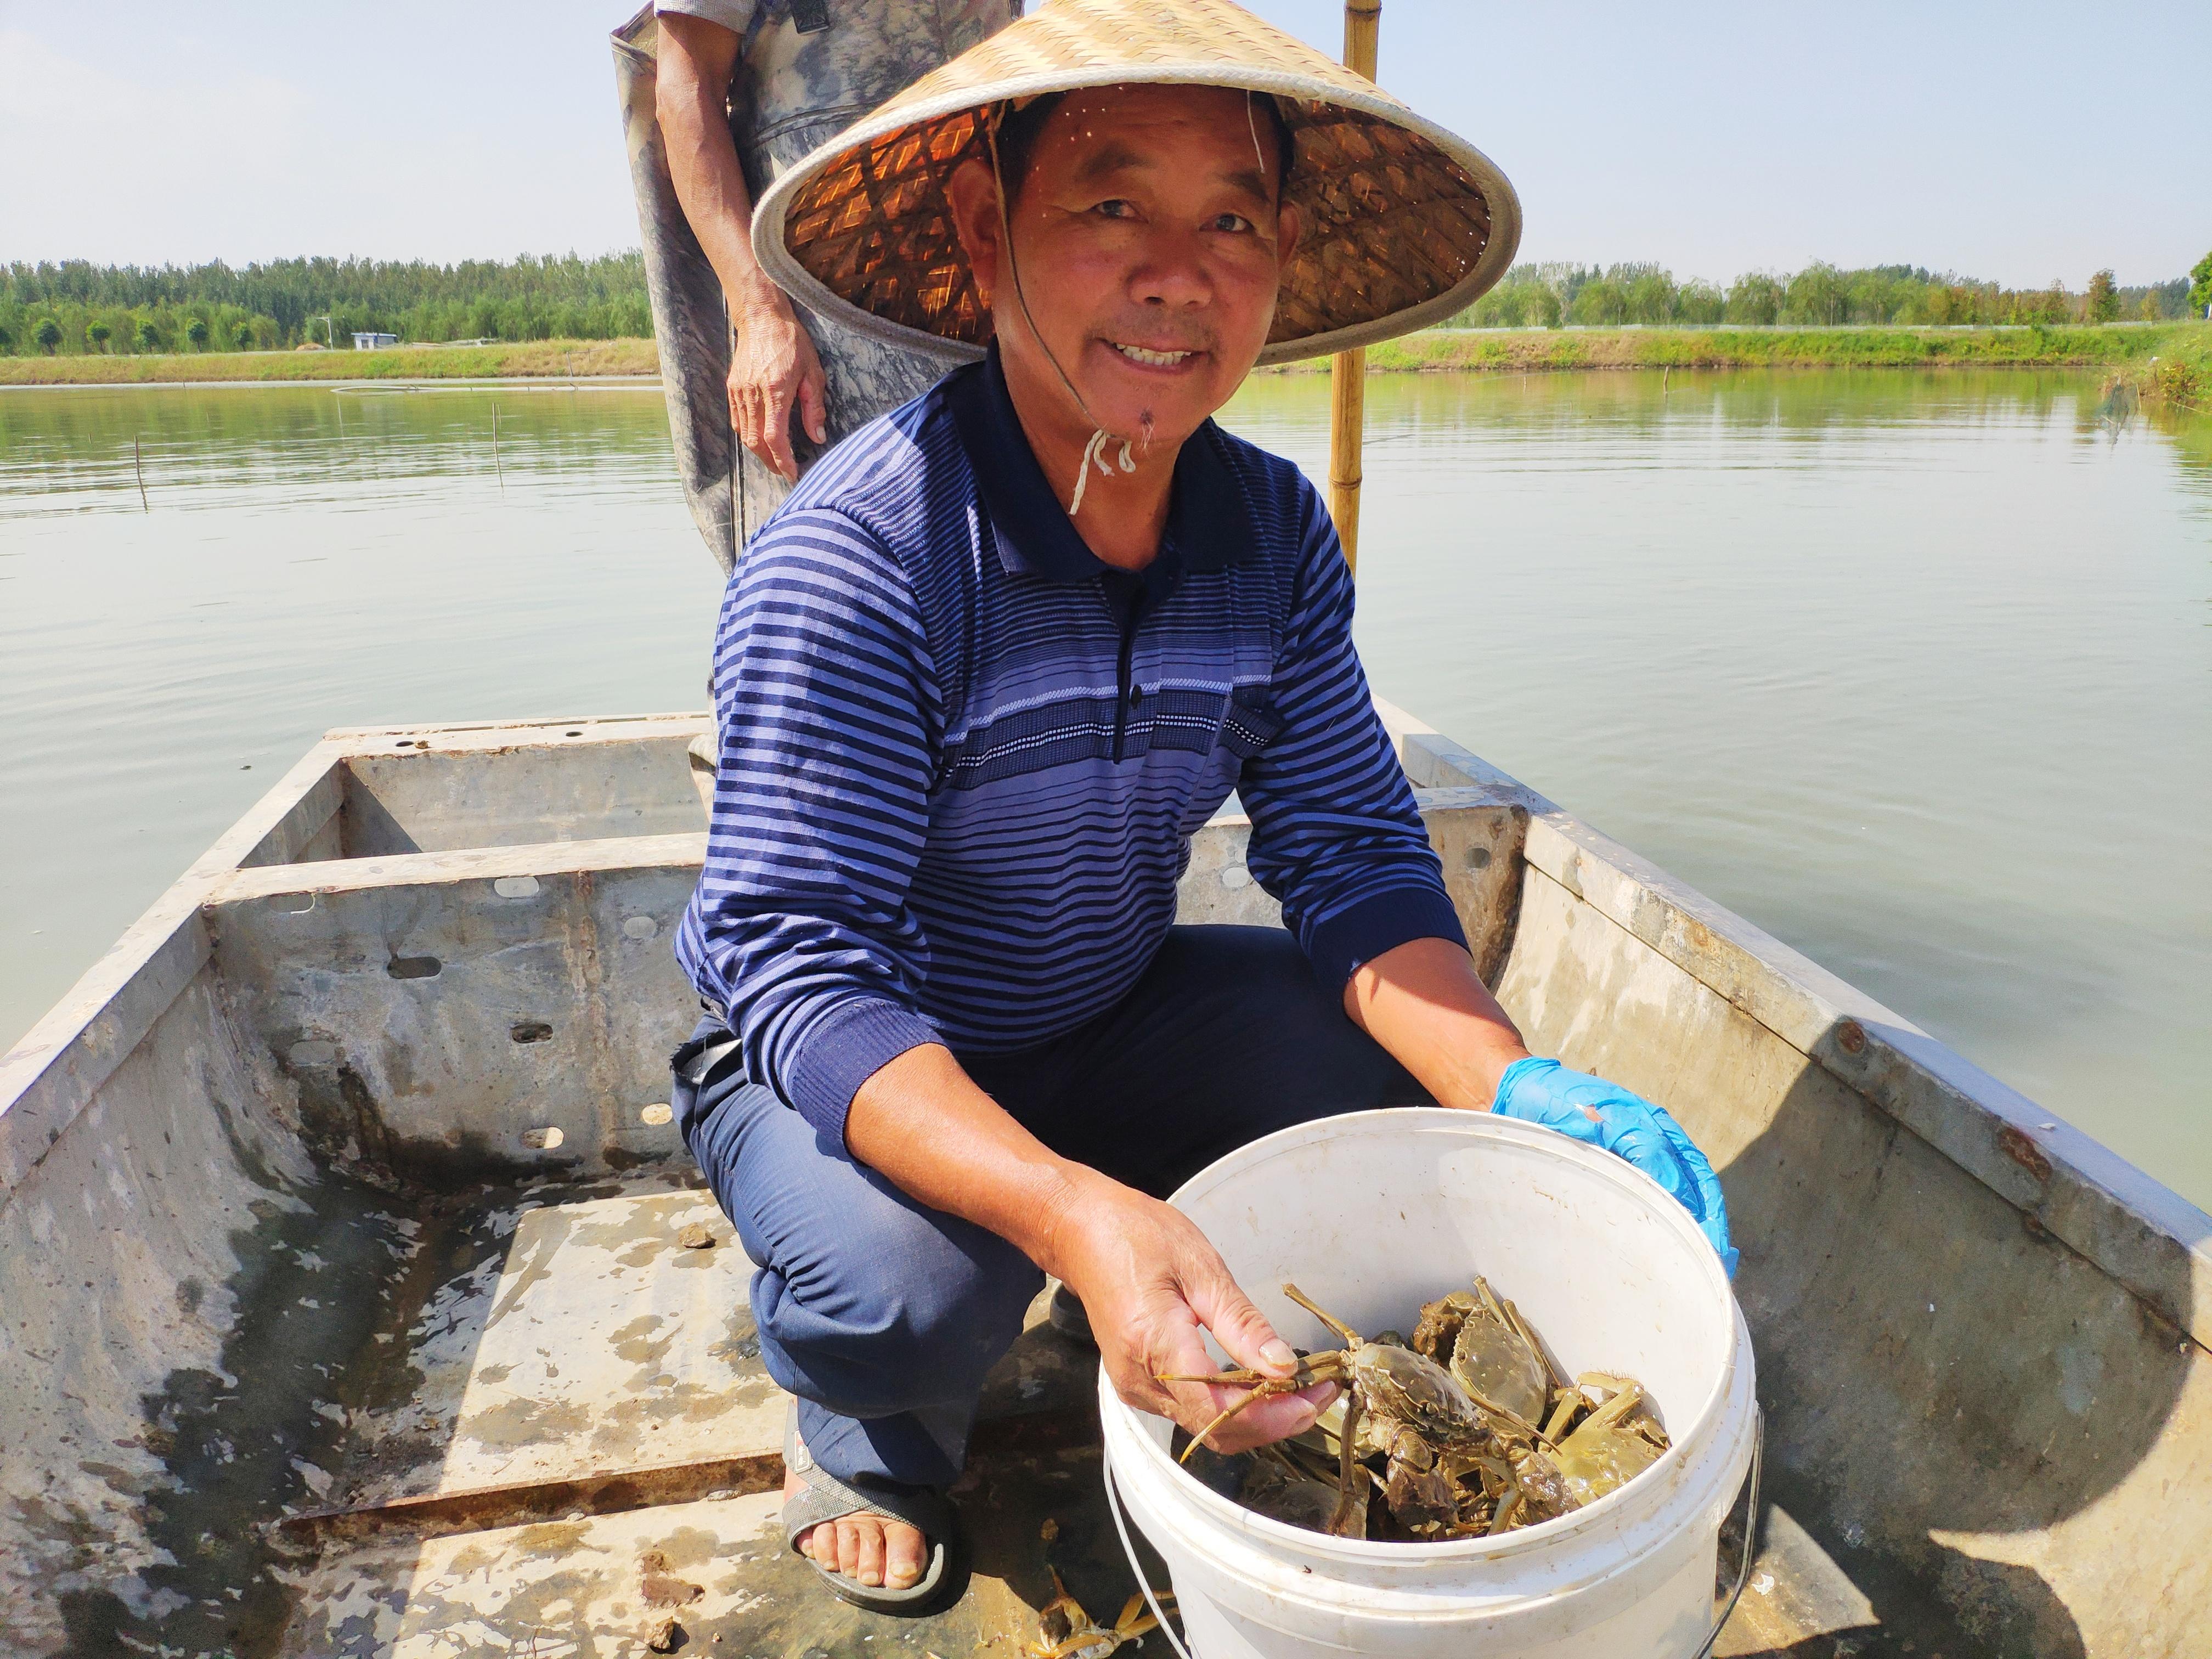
<point x="754" y="302"/>
<point x="1493" y="1067"/>
<point x="1048" y="1229"/>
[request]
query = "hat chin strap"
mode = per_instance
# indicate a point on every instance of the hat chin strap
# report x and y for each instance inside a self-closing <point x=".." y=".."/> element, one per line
<point x="1095" y="450"/>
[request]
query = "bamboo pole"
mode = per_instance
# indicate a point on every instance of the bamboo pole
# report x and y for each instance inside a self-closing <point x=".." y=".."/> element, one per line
<point x="1347" y="370"/>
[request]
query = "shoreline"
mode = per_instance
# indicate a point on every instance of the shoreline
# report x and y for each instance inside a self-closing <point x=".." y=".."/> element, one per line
<point x="549" y="360"/>
<point x="2127" y="347"/>
<point x="393" y="386"/>
<point x="1532" y="349"/>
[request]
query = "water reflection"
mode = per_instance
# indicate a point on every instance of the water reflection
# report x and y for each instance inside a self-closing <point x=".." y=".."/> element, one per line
<point x="310" y="558"/>
<point x="229" y="447"/>
<point x="1909" y="669"/>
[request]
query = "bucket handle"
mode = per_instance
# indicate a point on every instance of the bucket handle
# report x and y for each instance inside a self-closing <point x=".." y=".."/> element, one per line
<point x="1750" y="1531"/>
<point x="1137" y="1567"/>
<point x="1705" y="1648"/>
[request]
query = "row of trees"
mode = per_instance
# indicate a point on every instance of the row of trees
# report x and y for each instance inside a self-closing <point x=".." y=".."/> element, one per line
<point x="1819" y="295"/>
<point x="75" y="307"/>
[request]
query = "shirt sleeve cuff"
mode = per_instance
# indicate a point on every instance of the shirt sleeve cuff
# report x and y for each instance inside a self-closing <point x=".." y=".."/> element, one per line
<point x="846" y="1047"/>
<point x="735" y="15"/>
<point x="1380" y="922"/>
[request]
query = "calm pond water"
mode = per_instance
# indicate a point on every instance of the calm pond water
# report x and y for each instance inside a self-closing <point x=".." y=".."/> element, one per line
<point x="1911" y="669"/>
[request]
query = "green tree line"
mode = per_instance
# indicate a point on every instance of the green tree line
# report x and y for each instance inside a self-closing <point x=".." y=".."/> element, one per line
<point x="1819" y="295"/>
<point x="75" y="307"/>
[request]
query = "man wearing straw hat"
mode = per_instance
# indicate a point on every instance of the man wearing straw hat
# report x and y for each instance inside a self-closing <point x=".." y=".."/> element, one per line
<point x="979" y="678"/>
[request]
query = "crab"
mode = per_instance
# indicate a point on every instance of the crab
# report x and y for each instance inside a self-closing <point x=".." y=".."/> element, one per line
<point x="1491" y="1352"/>
<point x="1415" y="1407"/>
<point x="1466" y="1430"/>
<point x="1066" y="1631"/>
<point x="1286" y="1487"/>
<point x="1614" y="1444"/>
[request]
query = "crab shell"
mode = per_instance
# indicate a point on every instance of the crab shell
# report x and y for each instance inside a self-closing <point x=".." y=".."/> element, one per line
<point x="1399" y="1384"/>
<point x="1491" y="1359"/>
<point x="1425" y="1501"/>
<point x="1546" y="1492"/>
<point x="1602" y="1457"/>
<point x="1273" y="1492"/>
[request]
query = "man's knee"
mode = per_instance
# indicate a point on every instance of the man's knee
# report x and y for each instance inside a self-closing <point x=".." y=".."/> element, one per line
<point x="865" y="1301"/>
<point x="899" y="1308"/>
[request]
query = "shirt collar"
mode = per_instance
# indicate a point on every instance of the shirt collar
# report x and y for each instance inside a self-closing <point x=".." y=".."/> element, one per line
<point x="1210" y="526"/>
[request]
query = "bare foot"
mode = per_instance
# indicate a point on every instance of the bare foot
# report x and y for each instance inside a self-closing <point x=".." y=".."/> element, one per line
<point x="873" y="1550"/>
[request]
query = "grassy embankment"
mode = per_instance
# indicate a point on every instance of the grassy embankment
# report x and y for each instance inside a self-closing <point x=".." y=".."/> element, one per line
<point x="2182" y="372"/>
<point x="1524" y="350"/>
<point x="2180" y="377"/>
<point x="527" y="359"/>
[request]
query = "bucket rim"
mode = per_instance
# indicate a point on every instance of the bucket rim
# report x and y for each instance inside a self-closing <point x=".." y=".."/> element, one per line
<point x="1407" y="1595"/>
<point x="1476" y="1126"/>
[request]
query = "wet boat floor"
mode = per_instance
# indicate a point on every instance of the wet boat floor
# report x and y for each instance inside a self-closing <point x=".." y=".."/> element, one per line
<point x="562" y="1438"/>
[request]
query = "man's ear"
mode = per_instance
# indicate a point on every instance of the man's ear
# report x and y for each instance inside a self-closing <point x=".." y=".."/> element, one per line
<point x="1290" y="226"/>
<point x="975" y="219"/>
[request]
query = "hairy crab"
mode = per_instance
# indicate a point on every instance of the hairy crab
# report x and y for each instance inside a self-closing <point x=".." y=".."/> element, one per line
<point x="1464" y="1430"/>
<point x="1491" y="1353"/>
<point x="1406" y="1404"/>
<point x="1614" y="1444"/>
<point x="1066" y="1631"/>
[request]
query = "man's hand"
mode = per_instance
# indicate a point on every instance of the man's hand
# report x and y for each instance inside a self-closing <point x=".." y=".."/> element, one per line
<point x="1590" y="1109"/>
<point x="1147" y="1276"/>
<point x="1150" y="1281"/>
<point x="771" y="362"/>
<point x="773" y="369"/>
<point x="1424" y="1002"/>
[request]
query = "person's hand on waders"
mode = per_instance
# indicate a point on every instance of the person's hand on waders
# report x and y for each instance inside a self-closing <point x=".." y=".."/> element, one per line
<point x="1602" y="1114"/>
<point x="774" y="371"/>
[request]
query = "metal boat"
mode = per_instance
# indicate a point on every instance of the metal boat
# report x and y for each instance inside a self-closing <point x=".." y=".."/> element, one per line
<point x="358" y="1298"/>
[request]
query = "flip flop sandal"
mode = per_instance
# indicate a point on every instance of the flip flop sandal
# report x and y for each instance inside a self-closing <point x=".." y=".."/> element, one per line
<point x="828" y="1499"/>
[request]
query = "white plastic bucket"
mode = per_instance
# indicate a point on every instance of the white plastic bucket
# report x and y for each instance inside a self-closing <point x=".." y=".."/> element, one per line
<point x="1373" y="1214"/>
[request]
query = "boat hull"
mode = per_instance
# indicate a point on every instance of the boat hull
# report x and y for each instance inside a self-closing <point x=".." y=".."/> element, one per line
<point x="347" y="1308"/>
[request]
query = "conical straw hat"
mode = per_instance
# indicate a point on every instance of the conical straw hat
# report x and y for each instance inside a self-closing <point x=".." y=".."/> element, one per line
<point x="1404" y="223"/>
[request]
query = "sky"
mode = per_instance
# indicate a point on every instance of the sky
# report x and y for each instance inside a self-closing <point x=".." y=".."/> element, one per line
<point x="2018" y="144"/>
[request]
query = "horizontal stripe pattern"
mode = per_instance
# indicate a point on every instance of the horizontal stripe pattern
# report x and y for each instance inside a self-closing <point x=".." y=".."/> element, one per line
<point x="922" y="831"/>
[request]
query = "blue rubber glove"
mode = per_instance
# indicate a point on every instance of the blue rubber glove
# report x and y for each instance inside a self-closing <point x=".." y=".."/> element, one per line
<point x="1589" y="1109"/>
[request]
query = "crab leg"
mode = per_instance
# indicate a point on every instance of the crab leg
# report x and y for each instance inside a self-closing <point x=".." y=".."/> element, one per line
<point x="1347" y="1467"/>
<point x="1351" y="1338"/>
<point x="1202" y="1438"/>
<point x="1563" y="1414"/>
<point x="1617" y="1407"/>
<point x="1507" y="1506"/>
<point x="1134" y="1620"/>
<point x="1536" y="1345"/>
<point x="1235" y="1377"/>
<point x="1321" y="1368"/>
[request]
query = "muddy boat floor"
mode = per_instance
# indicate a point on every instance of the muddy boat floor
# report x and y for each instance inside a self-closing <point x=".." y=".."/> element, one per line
<point x="560" y="1437"/>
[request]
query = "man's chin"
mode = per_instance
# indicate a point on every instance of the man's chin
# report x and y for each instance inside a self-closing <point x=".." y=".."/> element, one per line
<point x="1166" y="401"/>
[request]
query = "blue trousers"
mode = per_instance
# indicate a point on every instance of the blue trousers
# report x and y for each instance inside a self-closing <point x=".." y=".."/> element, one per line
<point x="881" y="1314"/>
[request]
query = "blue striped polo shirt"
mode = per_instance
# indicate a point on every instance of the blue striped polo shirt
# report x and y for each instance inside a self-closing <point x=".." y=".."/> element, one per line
<point x="962" y="757"/>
